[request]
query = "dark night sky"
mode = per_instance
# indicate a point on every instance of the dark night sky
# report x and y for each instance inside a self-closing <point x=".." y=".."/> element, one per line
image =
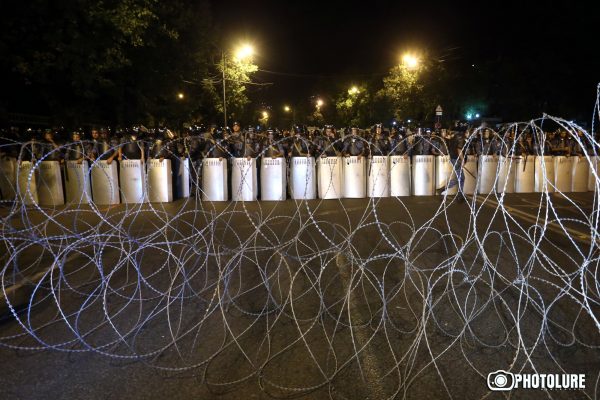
<point x="313" y="40"/>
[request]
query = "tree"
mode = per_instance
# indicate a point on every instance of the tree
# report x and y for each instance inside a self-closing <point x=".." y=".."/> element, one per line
<point x="354" y="106"/>
<point x="236" y="74"/>
<point x="413" y="91"/>
<point x="115" y="61"/>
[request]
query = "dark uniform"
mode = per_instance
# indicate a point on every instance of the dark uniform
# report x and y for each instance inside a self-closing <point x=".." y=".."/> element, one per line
<point x="327" y="145"/>
<point x="132" y="148"/>
<point x="353" y="145"/>
<point x="560" y="145"/>
<point x="487" y="145"/>
<point x="421" y="145"/>
<point x="398" y="143"/>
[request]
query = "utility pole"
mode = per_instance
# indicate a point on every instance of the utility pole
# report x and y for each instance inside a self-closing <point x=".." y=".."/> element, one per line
<point x="224" y="96"/>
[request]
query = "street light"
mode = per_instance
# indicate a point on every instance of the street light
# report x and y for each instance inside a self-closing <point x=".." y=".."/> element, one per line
<point x="265" y="115"/>
<point x="353" y="90"/>
<point x="319" y="103"/>
<point x="287" y="109"/>
<point x="411" y="61"/>
<point x="242" y="52"/>
<point x="180" y="96"/>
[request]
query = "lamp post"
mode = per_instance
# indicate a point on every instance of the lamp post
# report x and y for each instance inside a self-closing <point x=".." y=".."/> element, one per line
<point x="243" y="52"/>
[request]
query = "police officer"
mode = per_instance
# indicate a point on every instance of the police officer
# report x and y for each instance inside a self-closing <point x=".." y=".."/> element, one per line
<point x="487" y="146"/>
<point x="271" y="147"/>
<point x="380" y="145"/>
<point x="421" y="145"/>
<point x="326" y="143"/>
<point x="132" y="147"/>
<point x="100" y="148"/>
<point x="439" y="147"/>
<point x="543" y="141"/>
<point x="398" y="142"/>
<point x="300" y="146"/>
<point x="455" y="142"/>
<point x="577" y="149"/>
<point x="76" y="150"/>
<point x="194" y="145"/>
<point x="507" y="144"/>
<point x="560" y="145"/>
<point x="353" y="144"/>
<point x="524" y="145"/>
<point x="51" y="150"/>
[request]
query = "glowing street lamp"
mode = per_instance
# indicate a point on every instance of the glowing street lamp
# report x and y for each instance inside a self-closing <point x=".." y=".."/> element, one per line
<point x="243" y="52"/>
<point x="320" y="103"/>
<point x="180" y="96"/>
<point x="265" y="115"/>
<point x="287" y="109"/>
<point x="411" y="61"/>
<point x="353" y="90"/>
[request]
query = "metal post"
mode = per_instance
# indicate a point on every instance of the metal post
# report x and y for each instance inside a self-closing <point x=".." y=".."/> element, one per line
<point x="224" y="98"/>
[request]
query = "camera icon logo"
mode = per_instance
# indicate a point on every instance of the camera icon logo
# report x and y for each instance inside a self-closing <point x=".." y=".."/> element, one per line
<point x="500" y="381"/>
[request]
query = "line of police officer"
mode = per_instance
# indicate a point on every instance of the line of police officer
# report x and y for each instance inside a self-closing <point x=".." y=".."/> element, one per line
<point x="198" y="143"/>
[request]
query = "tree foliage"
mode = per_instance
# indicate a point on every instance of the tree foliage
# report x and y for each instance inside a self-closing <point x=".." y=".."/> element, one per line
<point x="237" y="74"/>
<point x="110" y="60"/>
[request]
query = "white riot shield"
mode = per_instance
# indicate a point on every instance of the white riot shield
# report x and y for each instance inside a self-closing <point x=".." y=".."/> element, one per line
<point x="563" y="176"/>
<point x="105" y="183"/>
<point x="355" y="185"/>
<point x="160" y="181"/>
<point x="544" y="174"/>
<point x="591" y="177"/>
<point x="214" y="179"/>
<point x="423" y="177"/>
<point x="399" y="175"/>
<point x="133" y="181"/>
<point x="77" y="183"/>
<point x="8" y="178"/>
<point x="272" y="179"/>
<point x="27" y="183"/>
<point x="302" y="176"/>
<point x="580" y="172"/>
<point x="50" y="186"/>
<point x="182" y="179"/>
<point x="506" y="175"/>
<point x="243" y="180"/>
<point x="524" y="174"/>
<point x="470" y="174"/>
<point x="488" y="168"/>
<point x="330" y="177"/>
<point x="443" y="173"/>
<point x="378" y="180"/>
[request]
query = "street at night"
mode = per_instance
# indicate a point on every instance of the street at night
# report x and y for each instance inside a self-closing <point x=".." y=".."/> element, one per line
<point x="299" y="200"/>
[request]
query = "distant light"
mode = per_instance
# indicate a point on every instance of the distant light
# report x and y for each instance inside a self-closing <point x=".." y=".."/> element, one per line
<point x="319" y="102"/>
<point x="477" y="115"/>
<point x="473" y="65"/>
<point x="180" y="96"/>
<point x="469" y="116"/>
<point x="287" y="108"/>
<point x="244" y="51"/>
<point x="394" y="123"/>
<point x="353" y="90"/>
<point x="409" y="121"/>
<point x="410" y="60"/>
<point x="265" y="115"/>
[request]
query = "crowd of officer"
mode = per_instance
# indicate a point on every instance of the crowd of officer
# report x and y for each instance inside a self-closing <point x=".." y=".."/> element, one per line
<point x="198" y="142"/>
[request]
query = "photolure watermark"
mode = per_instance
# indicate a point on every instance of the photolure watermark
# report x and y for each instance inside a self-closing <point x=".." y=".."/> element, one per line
<point x="501" y="380"/>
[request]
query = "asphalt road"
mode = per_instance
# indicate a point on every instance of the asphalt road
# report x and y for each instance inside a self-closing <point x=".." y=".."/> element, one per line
<point x="351" y="299"/>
